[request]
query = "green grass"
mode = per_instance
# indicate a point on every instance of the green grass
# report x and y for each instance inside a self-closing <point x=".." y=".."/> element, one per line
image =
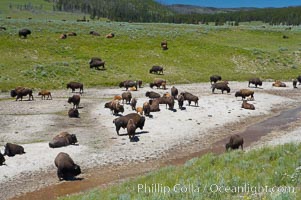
<point x="272" y="167"/>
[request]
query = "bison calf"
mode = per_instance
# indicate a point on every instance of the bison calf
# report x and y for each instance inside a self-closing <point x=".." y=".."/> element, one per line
<point x="45" y="93"/>
<point x="66" y="168"/>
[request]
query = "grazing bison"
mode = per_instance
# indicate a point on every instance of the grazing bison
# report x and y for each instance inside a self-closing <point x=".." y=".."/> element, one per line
<point x="146" y="108"/>
<point x="158" y="83"/>
<point x="295" y="83"/>
<point x="24" y="32"/>
<point x="215" y="78"/>
<point x="66" y="168"/>
<point x="190" y="97"/>
<point x="75" y="99"/>
<point x="2" y="159"/>
<point x="279" y="84"/>
<point x="76" y="85"/>
<point x="133" y="103"/>
<point x="123" y="121"/>
<point x="127" y="84"/>
<point x="164" y="45"/>
<point x="94" y="33"/>
<point x="223" y="86"/>
<point x="156" y="69"/>
<point x="180" y="101"/>
<point x="174" y="92"/>
<point x="152" y="95"/>
<point x="115" y="107"/>
<point x="255" y="81"/>
<point x="243" y="93"/>
<point x="13" y="149"/>
<point x="131" y="129"/>
<point x="235" y="142"/>
<point x="96" y="62"/>
<point x="246" y="105"/>
<point x="20" y="92"/>
<point x="63" y="139"/>
<point x="45" y="93"/>
<point x="73" y="113"/>
<point x="127" y="96"/>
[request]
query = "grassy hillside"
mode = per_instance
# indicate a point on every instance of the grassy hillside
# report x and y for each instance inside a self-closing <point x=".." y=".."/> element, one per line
<point x="217" y="177"/>
<point x="195" y="52"/>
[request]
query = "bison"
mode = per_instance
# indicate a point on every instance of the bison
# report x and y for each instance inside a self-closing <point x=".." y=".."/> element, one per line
<point x="73" y="113"/>
<point x="174" y="92"/>
<point x="180" y="101"/>
<point x="278" y="84"/>
<point x="76" y="85"/>
<point x="158" y="83"/>
<point x="66" y="168"/>
<point x="223" y="86"/>
<point x="235" y="142"/>
<point x="127" y="96"/>
<point x="164" y="45"/>
<point x="63" y="139"/>
<point x="20" y="92"/>
<point x="152" y="95"/>
<point x="170" y="101"/>
<point x="295" y="83"/>
<point x="110" y="35"/>
<point x="255" y="81"/>
<point x="246" y="105"/>
<point x="96" y="62"/>
<point x="127" y="84"/>
<point x="13" y="149"/>
<point x="123" y="121"/>
<point x="243" y="93"/>
<point x="299" y="79"/>
<point x="75" y="99"/>
<point x="115" y="107"/>
<point x="154" y="105"/>
<point x="45" y="93"/>
<point x="94" y="33"/>
<point x="190" y="97"/>
<point x="139" y="110"/>
<point x="215" y="78"/>
<point x="24" y="32"/>
<point x="146" y="108"/>
<point x="63" y="36"/>
<point x="156" y="69"/>
<point x="133" y="103"/>
<point x="131" y="129"/>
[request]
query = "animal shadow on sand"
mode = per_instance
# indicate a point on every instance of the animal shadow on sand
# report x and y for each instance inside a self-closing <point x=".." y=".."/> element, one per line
<point x="73" y="179"/>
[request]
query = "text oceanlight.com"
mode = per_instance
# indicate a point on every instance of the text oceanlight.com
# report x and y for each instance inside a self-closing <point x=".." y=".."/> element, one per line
<point x="213" y="188"/>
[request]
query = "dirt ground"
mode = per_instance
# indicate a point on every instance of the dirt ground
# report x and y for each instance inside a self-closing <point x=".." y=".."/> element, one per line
<point x="166" y="135"/>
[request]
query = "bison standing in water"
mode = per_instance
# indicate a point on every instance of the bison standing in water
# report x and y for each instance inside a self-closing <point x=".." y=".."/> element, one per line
<point x="24" y="32"/>
<point x="66" y="168"/>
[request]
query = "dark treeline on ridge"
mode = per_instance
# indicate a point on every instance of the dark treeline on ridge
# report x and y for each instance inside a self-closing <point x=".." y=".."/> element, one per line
<point x="151" y="11"/>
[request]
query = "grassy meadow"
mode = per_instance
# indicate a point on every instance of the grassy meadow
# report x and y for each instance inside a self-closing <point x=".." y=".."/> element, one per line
<point x="274" y="168"/>
<point x="195" y="51"/>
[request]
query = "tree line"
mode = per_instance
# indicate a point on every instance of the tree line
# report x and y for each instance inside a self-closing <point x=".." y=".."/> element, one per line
<point x="151" y="11"/>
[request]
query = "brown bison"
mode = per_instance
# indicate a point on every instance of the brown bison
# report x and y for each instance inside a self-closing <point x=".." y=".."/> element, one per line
<point x="255" y="81"/>
<point x="146" y="108"/>
<point x="223" y="86"/>
<point x="174" y="92"/>
<point x="123" y="121"/>
<point x="73" y="113"/>
<point x="156" y="69"/>
<point x="170" y="101"/>
<point x="158" y="83"/>
<point x="152" y="95"/>
<point x="45" y="93"/>
<point x="299" y="79"/>
<point x="278" y="84"/>
<point x="133" y="103"/>
<point x="96" y="62"/>
<point x="115" y="107"/>
<point x="131" y="128"/>
<point x="181" y="101"/>
<point x="75" y="99"/>
<point x="246" y="105"/>
<point x="66" y="168"/>
<point x="20" y="92"/>
<point x="127" y="84"/>
<point x="63" y="36"/>
<point x="24" y="32"/>
<point x="235" y="142"/>
<point x="164" y="45"/>
<point x="243" y="93"/>
<point x="154" y="105"/>
<point x="190" y="97"/>
<point x="139" y="110"/>
<point x="295" y="83"/>
<point x="215" y="78"/>
<point x="110" y="35"/>
<point x="13" y="149"/>
<point x="127" y="96"/>
<point x="76" y="85"/>
<point x="94" y="33"/>
<point x="63" y="139"/>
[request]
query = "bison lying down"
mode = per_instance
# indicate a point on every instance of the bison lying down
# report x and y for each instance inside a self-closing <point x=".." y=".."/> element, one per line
<point x="123" y="121"/>
<point x="13" y="149"/>
<point x="66" y="168"/>
<point x="63" y="139"/>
